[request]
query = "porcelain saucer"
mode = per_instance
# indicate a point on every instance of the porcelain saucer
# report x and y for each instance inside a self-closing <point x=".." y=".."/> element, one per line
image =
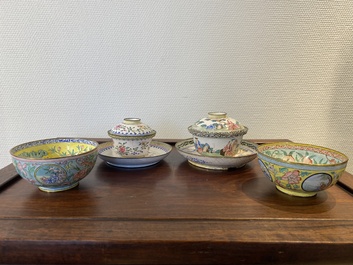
<point x="158" y="151"/>
<point x="247" y="153"/>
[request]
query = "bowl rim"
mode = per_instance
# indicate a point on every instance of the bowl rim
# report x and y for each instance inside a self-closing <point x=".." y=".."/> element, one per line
<point x="268" y="145"/>
<point x="29" y="144"/>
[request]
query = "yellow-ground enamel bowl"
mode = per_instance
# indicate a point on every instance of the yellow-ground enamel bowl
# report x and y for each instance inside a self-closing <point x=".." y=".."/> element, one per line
<point x="299" y="169"/>
<point x="56" y="164"/>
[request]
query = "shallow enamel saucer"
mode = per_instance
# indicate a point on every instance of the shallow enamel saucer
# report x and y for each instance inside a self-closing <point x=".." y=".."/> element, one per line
<point x="157" y="152"/>
<point x="247" y="153"/>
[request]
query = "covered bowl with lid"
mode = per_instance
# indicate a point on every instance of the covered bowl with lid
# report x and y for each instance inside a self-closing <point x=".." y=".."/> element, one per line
<point x="131" y="138"/>
<point x="217" y="135"/>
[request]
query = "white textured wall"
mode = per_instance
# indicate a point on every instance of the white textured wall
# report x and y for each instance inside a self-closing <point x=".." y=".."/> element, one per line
<point x="76" y="68"/>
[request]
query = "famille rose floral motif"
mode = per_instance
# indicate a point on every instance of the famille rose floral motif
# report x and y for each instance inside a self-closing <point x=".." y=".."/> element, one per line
<point x="290" y="179"/>
<point x="301" y="169"/>
<point x="296" y="179"/>
<point x="125" y="149"/>
<point x="55" y="164"/>
<point x="217" y="135"/>
<point x="219" y="124"/>
<point x="131" y="138"/>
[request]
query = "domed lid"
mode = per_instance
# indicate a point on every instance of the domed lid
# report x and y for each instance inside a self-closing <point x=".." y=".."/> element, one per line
<point x="131" y="127"/>
<point x="217" y="124"/>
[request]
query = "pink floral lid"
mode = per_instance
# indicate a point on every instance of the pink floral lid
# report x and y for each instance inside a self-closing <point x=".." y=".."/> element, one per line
<point x="217" y="124"/>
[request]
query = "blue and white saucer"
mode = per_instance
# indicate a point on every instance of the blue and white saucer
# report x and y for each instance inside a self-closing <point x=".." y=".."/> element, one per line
<point x="158" y="151"/>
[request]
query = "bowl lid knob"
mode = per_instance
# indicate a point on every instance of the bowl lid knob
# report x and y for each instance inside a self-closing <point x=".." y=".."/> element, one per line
<point x="217" y="115"/>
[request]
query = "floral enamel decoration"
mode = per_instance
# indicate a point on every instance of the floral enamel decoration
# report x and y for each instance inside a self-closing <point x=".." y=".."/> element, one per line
<point x="157" y="152"/>
<point x="301" y="169"/>
<point x="217" y="135"/>
<point x="55" y="164"/>
<point x="125" y="149"/>
<point x="138" y="130"/>
<point x="131" y="138"/>
<point x="218" y="124"/>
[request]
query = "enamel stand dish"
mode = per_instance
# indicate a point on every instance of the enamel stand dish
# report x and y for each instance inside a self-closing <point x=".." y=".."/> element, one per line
<point x="247" y="152"/>
<point x="157" y="152"/>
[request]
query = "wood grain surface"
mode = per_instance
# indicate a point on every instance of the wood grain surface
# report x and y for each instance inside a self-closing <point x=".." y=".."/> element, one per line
<point x="173" y="213"/>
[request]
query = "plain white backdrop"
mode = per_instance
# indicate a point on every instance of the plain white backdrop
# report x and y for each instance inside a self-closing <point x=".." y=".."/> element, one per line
<point x="76" y="68"/>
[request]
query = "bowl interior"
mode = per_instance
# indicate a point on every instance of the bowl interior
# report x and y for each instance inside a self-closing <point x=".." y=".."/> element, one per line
<point x="53" y="148"/>
<point x="302" y="153"/>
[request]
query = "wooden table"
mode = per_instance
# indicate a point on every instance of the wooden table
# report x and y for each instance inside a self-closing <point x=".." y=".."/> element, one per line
<point x="174" y="213"/>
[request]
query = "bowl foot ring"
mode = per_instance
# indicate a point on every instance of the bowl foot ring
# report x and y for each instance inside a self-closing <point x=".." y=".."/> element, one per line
<point x="57" y="189"/>
<point x="296" y="193"/>
<point x="207" y="166"/>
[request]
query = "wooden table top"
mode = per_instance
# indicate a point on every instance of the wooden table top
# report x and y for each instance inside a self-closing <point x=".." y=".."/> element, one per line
<point x="174" y="213"/>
